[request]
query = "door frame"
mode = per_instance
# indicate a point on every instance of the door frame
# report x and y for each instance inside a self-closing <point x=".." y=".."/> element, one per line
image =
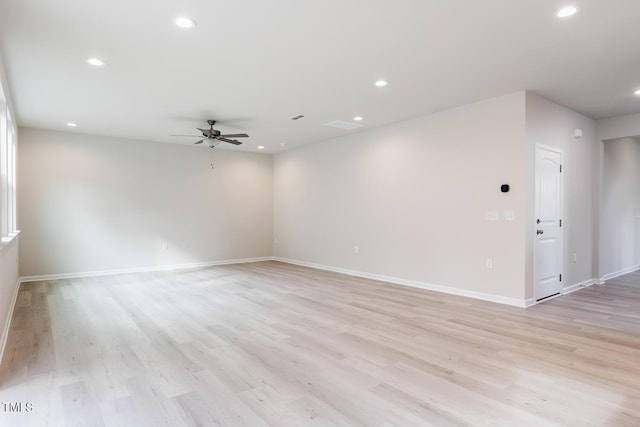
<point x="534" y="227"/>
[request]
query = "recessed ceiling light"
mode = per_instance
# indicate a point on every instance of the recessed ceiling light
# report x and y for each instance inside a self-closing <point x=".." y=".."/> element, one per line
<point x="357" y="118"/>
<point x="96" y="62"/>
<point x="637" y="92"/>
<point x="381" y="83"/>
<point x="71" y="125"/>
<point x="183" y="22"/>
<point x="260" y="147"/>
<point x="566" y="12"/>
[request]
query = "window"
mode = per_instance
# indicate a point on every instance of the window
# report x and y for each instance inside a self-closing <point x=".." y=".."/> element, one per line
<point x="8" y="223"/>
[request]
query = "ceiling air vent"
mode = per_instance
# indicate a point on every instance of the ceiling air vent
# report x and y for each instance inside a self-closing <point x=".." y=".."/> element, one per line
<point x="341" y="124"/>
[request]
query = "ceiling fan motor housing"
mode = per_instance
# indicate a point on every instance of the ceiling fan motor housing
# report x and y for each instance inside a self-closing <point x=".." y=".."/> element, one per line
<point x="211" y="133"/>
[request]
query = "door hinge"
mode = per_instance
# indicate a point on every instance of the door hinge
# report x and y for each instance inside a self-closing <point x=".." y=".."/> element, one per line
<point x="560" y="223"/>
<point x="561" y="277"/>
<point x="560" y="168"/>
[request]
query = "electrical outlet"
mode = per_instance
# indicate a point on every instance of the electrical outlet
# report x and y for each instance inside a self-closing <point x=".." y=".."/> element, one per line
<point x="356" y="250"/>
<point x="575" y="257"/>
<point x="165" y="246"/>
<point x="489" y="263"/>
<point x="276" y="240"/>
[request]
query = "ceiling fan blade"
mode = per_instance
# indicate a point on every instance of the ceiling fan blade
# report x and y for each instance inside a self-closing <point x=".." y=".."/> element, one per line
<point x="235" y="135"/>
<point x="230" y="141"/>
<point x="195" y="136"/>
<point x="199" y="142"/>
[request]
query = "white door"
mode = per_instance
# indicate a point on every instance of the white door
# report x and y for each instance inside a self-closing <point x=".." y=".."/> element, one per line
<point x="548" y="227"/>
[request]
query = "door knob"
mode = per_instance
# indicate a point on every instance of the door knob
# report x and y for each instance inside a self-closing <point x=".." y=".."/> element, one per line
<point x="540" y="232"/>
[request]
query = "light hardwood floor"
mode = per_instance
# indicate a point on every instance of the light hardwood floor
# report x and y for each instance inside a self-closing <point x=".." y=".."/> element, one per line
<point x="270" y="344"/>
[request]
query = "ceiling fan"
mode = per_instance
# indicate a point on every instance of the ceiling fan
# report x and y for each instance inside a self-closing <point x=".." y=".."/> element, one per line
<point x="212" y="135"/>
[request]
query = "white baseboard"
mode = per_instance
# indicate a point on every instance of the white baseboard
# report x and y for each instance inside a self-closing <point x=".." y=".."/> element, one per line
<point x="618" y="273"/>
<point x="581" y="285"/>
<point x="139" y="269"/>
<point x="413" y="283"/>
<point x="7" y="322"/>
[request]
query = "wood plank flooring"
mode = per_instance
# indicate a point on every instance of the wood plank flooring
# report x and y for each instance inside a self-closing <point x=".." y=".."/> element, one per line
<point x="270" y="344"/>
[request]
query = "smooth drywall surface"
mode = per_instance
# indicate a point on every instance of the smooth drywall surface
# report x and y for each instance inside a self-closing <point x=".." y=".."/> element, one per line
<point x="620" y="215"/>
<point x="8" y="283"/>
<point x="618" y="127"/>
<point x="608" y="129"/>
<point x="553" y="125"/>
<point x="413" y="198"/>
<point x="90" y="203"/>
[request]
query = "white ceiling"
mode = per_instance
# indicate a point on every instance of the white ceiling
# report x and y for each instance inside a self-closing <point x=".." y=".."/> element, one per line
<point x="251" y="64"/>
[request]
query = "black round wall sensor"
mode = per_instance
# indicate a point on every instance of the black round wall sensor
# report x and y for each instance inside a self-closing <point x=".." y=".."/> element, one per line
<point x="504" y="188"/>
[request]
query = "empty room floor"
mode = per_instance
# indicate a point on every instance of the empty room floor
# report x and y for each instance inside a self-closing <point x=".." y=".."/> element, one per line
<point x="271" y="344"/>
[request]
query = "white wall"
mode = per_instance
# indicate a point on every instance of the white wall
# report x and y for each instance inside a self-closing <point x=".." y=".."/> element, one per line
<point x="412" y="196"/>
<point x="8" y="285"/>
<point x="89" y="203"/>
<point x="618" y="127"/>
<point x="608" y="129"/>
<point x="620" y="214"/>
<point x="551" y="124"/>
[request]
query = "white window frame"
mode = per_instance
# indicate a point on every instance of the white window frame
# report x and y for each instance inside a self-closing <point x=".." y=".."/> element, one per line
<point x="8" y="192"/>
